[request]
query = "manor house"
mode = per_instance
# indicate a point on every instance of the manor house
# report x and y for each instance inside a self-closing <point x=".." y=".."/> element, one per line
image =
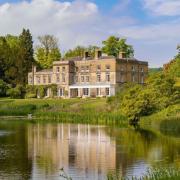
<point x="101" y="76"/>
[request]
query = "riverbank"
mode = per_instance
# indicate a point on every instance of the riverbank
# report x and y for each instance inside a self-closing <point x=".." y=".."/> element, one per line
<point x="66" y="110"/>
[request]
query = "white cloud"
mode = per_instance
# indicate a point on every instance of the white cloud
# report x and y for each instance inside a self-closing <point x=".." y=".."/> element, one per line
<point x="80" y="23"/>
<point x="163" y="7"/>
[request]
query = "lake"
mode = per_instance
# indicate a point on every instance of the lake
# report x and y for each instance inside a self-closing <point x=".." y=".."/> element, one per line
<point x="41" y="150"/>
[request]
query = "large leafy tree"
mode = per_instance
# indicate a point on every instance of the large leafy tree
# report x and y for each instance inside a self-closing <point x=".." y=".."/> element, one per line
<point x="48" y="51"/>
<point x="113" y="45"/>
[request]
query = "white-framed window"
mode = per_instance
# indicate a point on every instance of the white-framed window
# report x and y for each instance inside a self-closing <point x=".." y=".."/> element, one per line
<point x="82" y="68"/>
<point x="98" y="77"/>
<point x="63" y="78"/>
<point x="57" y="69"/>
<point x="76" y="79"/>
<point x="38" y="79"/>
<point x="107" y="77"/>
<point x="44" y="79"/>
<point x="107" y="91"/>
<point x="57" y="78"/>
<point x="82" y="78"/>
<point x="87" y="68"/>
<point x="85" y="91"/>
<point x="63" y="69"/>
<point x="142" y="70"/>
<point x="121" y="78"/>
<point x="98" y="91"/>
<point x="87" y="78"/>
<point x="133" y="68"/>
<point x="98" y="67"/>
<point x="49" y="79"/>
<point x="108" y="67"/>
<point x="60" y="92"/>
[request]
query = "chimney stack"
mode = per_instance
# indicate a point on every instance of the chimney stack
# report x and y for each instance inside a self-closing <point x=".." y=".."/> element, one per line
<point x="98" y="53"/>
<point x="122" y="55"/>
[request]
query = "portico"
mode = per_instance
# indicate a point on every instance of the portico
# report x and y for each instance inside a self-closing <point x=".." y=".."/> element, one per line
<point x="91" y="90"/>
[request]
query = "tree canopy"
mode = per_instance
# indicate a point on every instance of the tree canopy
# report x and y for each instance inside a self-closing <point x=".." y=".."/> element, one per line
<point x="113" y="45"/>
<point x="47" y="51"/>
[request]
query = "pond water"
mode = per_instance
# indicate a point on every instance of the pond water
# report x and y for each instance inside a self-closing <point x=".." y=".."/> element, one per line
<point x="39" y="151"/>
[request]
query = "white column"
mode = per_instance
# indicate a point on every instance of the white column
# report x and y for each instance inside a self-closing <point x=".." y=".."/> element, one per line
<point x="89" y="92"/>
<point x="79" y="92"/>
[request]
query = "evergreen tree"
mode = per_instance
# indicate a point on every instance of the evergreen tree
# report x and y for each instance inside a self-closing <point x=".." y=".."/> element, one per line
<point x="26" y="54"/>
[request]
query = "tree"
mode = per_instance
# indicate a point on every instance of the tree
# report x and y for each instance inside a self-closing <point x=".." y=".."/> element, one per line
<point x="26" y="54"/>
<point x="76" y="52"/>
<point x="79" y="51"/>
<point x="47" y="51"/>
<point x="113" y="45"/>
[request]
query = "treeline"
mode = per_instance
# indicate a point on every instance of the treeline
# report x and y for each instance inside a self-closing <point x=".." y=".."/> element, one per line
<point x="162" y="90"/>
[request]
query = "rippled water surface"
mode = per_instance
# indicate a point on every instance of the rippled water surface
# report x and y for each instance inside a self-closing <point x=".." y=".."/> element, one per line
<point x="40" y="151"/>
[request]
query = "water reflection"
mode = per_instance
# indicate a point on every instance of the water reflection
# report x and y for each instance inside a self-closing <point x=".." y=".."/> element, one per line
<point x="38" y="151"/>
<point x="83" y="150"/>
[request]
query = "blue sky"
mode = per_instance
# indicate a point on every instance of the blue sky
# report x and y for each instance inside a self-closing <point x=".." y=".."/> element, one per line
<point x="151" y="26"/>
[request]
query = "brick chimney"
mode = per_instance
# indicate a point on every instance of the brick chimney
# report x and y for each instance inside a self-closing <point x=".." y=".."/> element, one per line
<point x="98" y="53"/>
<point x="122" y="55"/>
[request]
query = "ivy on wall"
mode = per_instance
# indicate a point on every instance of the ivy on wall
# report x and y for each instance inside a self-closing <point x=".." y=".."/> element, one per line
<point x="40" y="91"/>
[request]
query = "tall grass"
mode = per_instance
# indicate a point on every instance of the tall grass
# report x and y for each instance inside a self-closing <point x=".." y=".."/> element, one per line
<point x="152" y="174"/>
<point x="68" y="110"/>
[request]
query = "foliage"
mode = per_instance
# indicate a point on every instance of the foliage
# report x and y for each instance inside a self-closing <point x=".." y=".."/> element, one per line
<point x="26" y="55"/>
<point x="16" y="57"/>
<point x="3" y="88"/>
<point x="113" y="45"/>
<point x="40" y="91"/>
<point x="79" y="51"/>
<point x="47" y="51"/>
<point x="17" y="92"/>
<point x="136" y="101"/>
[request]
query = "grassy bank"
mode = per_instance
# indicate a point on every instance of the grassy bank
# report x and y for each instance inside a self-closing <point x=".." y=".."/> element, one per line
<point x="71" y="110"/>
<point x="152" y="174"/>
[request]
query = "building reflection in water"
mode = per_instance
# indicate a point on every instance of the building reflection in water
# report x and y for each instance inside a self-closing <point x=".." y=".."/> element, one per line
<point x="84" y="151"/>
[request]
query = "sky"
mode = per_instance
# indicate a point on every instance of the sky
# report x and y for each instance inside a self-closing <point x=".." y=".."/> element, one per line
<point x="151" y="26"/>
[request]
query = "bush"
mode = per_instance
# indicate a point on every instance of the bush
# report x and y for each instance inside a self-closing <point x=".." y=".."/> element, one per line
<point x="29" y="95"/>
<point x="14" y="93"/>
<point x="17" y="92"/>
<point x="3" y="88"/>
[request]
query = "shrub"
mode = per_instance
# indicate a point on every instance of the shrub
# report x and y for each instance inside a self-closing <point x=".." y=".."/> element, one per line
<point x="14" y="93"/>
<point x="29" y="95"/>
<point x="17" y="92"/>
<point x="3" y="88"/>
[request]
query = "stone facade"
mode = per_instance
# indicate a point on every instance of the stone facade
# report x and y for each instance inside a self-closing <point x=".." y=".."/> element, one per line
<point x="86" y="77"/>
